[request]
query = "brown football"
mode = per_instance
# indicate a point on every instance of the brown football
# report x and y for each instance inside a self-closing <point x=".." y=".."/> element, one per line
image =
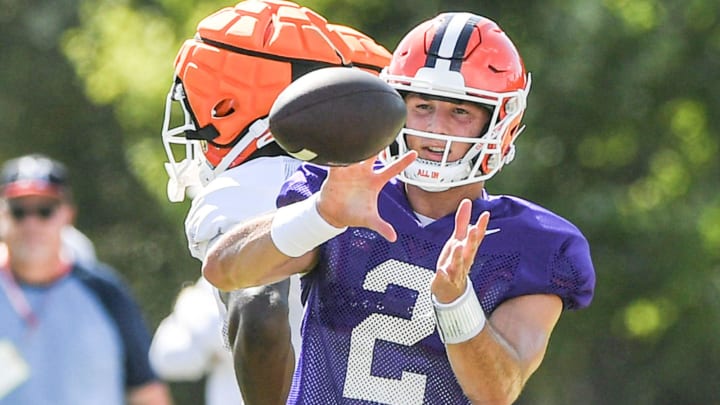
<point x="336" y="116"/>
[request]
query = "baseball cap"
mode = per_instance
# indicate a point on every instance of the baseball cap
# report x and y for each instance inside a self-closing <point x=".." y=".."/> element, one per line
<point x="34" y="175"/>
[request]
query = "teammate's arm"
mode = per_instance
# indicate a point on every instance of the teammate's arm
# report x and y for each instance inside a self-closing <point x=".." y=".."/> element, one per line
<point x="246" y="257"/>
<point x="492" y="366"/>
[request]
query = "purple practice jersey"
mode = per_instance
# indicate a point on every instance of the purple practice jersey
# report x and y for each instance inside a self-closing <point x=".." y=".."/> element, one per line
<point x="369" y="334"/>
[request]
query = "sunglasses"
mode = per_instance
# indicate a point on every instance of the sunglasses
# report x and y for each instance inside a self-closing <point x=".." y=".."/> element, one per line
<point x="20" y="212"/>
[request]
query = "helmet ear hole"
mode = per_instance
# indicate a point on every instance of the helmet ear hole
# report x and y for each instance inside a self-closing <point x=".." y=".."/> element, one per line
<point x="223" y="108"/>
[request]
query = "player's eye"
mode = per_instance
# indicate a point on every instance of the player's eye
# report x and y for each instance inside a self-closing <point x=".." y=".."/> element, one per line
<point x="421" y="104"/>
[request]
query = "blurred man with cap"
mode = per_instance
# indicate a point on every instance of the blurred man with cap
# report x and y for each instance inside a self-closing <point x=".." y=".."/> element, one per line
<point x="71" y="333"/>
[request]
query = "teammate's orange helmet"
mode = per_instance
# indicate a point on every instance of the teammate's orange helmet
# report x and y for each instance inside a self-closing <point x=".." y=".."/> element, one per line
<point x="464" y="57"/>
<point x="228" y="76"/>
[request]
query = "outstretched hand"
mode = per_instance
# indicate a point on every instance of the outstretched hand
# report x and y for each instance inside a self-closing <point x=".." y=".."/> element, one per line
<point x="458" y="254"/>
<point x="349" y="195"/>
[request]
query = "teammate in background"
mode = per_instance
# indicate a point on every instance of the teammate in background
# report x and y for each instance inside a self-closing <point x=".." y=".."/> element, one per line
<point x="188" y="345"/>
<point x="226" y="79"/>
<point x="71" y="333"/>
<point x="421" y="287"/>
<point x="79" y="246"/>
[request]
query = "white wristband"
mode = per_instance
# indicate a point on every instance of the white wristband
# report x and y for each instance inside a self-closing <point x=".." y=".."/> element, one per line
<point x="460" y="320"/>
<point x="298" y="228"/>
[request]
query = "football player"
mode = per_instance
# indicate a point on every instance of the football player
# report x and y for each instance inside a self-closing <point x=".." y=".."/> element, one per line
<point x="422" y="287"/>
<point x="226" y="79"/>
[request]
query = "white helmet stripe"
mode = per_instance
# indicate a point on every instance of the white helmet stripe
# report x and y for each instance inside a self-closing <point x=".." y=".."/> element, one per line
<point x="450" y="41"/>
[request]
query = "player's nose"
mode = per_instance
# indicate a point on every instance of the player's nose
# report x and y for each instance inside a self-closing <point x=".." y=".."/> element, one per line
<point x="437" y="123"/>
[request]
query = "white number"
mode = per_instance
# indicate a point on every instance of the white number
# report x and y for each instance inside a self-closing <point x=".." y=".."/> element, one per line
<point x="359" y="383"/>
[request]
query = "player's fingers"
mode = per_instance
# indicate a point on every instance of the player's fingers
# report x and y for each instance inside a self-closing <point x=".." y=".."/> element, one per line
<point x="452" y="270"/>
<point x="472" y="243"/>
<point x="369" y="162"/>
<point x="384" y="229"/>
<point x="459" y="267"/>
<point x="481" y="227"/>
<point x="347" y="170"/>
<point x="476" y="234"/>
<point x="462" y="219"/>
<point x="447" y="260"/>
<point x="445" y="256"/>
<point x="482" y="221"/>
<point x="388" y="172"/>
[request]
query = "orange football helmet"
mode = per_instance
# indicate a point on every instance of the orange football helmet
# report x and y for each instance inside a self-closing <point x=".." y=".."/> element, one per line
<point x="228" y="76"/>
<point x="465" y="57"/>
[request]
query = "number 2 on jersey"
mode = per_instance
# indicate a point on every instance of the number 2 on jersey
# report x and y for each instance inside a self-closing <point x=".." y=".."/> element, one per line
<point x="359" y="382"/>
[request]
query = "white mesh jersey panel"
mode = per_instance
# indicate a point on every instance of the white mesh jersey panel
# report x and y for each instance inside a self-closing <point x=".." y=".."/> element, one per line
<point x="359" y="381"/>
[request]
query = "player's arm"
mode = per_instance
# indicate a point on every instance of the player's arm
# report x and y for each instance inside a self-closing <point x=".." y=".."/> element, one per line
<point x="273" y="246"/>
<point x="246" y="256"/>
<point x="492" y="359"/>
<point x="493" y="367"/>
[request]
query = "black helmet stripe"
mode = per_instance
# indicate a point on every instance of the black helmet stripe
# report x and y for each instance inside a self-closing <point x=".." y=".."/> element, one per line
<point x="451" y="40"/>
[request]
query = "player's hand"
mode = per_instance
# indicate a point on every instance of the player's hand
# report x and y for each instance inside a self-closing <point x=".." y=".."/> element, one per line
<point x="203" y="224"/>
<point x="349" y="195"/>
<point x="213" y="213"/>
<point x="458" y="254"/>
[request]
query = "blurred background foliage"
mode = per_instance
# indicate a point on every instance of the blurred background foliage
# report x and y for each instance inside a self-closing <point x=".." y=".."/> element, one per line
<point x="622" y="139"/>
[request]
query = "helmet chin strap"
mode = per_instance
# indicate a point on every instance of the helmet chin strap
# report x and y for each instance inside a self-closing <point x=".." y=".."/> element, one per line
<point x="434" y="177"/>
<point x="257" y="129"/>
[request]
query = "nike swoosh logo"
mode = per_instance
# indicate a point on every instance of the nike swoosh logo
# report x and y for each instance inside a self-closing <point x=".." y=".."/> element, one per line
<point x="491" y="231"/>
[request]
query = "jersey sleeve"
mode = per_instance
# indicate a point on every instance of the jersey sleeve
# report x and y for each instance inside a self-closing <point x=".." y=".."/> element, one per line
<point x="531" y="250"/>
<point x="302" y="184"/>
<point x="572" y="274"/>
<point x="125" y="312"/>
<point x="558" y="260"/>
<point x="235" y="195"/>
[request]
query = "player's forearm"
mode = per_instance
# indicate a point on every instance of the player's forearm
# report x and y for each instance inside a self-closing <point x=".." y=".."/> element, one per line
<point x="245" y="257"/>
<point x="489" y="370"/>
